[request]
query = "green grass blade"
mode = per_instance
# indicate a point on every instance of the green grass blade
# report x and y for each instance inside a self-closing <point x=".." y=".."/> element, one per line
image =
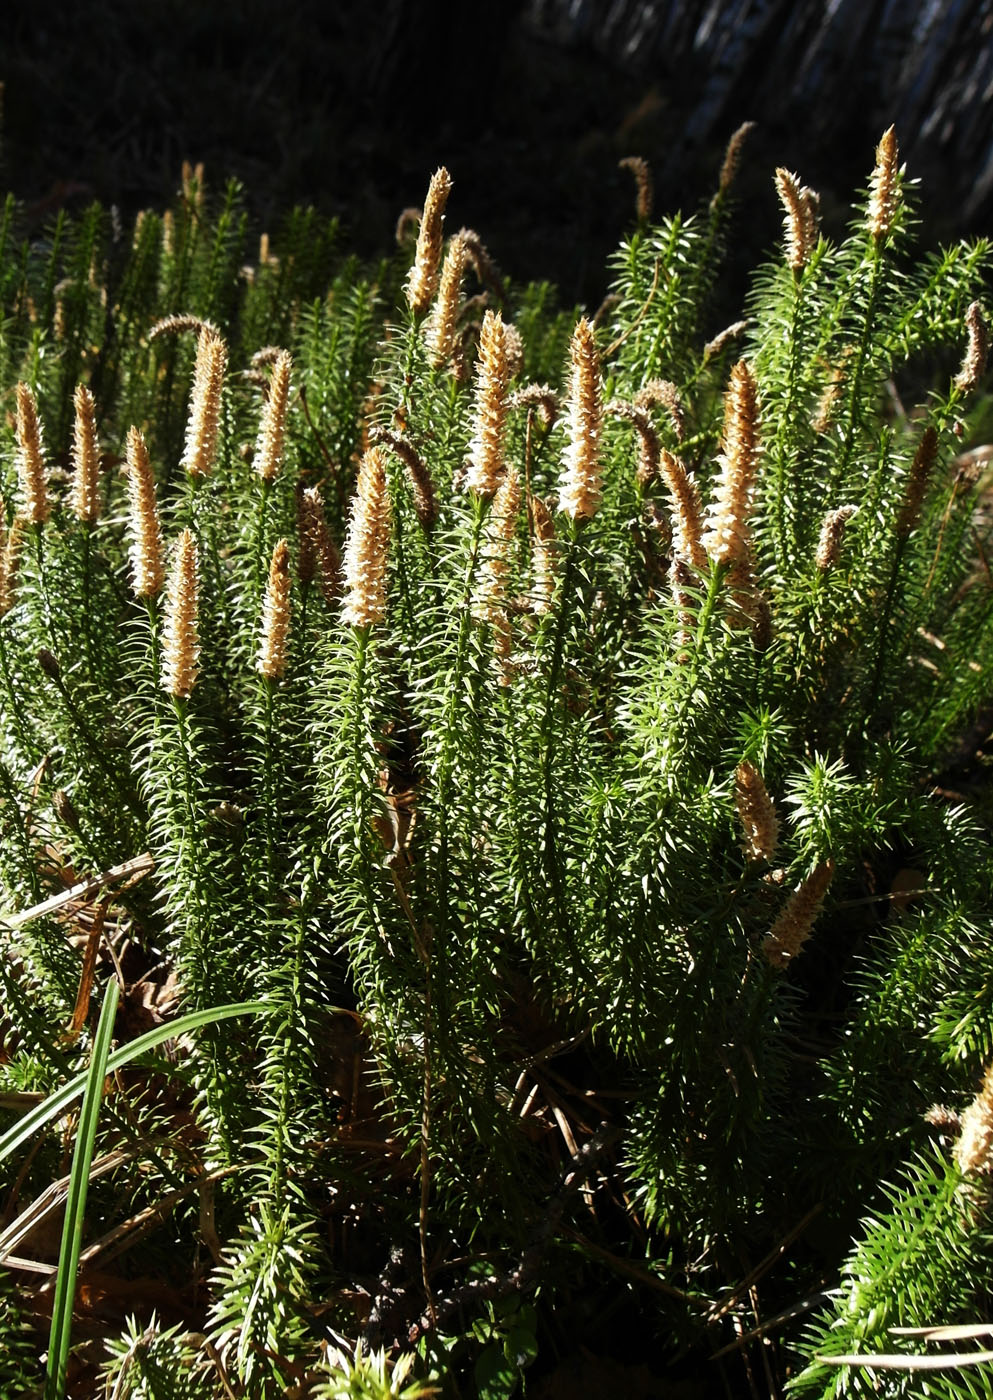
<point x="79" y="1179"/>
<point x="56" y="1104"/>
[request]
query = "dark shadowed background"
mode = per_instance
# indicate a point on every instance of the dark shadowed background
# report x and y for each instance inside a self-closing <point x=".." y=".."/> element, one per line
<point x="530" y="103"/>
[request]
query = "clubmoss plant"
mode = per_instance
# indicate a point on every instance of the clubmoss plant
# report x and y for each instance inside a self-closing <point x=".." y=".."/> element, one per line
<point x="552" y="721"/>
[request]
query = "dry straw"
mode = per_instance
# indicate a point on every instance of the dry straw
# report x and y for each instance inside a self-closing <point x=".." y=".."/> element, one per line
<point x="793" y="927"/>
<point x="492" y="374"/>
<point x="180" y="638"/>
<point x="35" y="507"/>
<point x="756" y="813"/>
<point x="580" y="482"/>
<point x="205" y="404"/>
<point x="423" y="280"/>
<point x="366" y="545"/>
<point x="884" y="188"/>
<point x="271" y="441"/>
<point x="726" y="537"/>
<point x="147" y="568"/>
<point x="273" y="648"/>
<point x="84" y="494"/>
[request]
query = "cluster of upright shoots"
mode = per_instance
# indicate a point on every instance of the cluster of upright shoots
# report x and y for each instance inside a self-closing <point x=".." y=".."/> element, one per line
<point x="716" y="569"/>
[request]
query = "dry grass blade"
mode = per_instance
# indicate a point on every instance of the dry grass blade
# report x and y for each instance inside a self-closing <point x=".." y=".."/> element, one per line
<point x="897" y="1362"/>
<point x="129" y="869"/>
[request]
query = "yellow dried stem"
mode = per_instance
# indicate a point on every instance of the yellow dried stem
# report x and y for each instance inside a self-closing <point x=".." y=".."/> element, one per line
<point x="147" y="568"/>
<point x="489" y="601"/>
<point x="366" y="544"/>
<point x="832" y="535"/>
<point x="319" y="557"/>
<point x="272" y="429"/>
<point x="800" y="218"/>
<point x="977" y="349"/>
<point x="884" y="189"/>
<point x="542" y="556"/>
<point x="917" y="480"/>
<point x="84" y="494"/>
<point x="423" y="280"/>
<point x="642" y="173"/>
<point x="974" y="1148"/>
<point x="205" y="404"/>
<point x="756" y="812"/>
<point x="661" y="393"/>
<point x="726" y="534"/>
<point x="793" y="927"/>
<point x="273" y="649"/>
<point x="440" y="327"/>
<point x="180" y="639"/>
<point x="580" y="481"/>
<point x="421" y="484"/>
<point x="33" y="491"/>
<point x="732" y="158"/>
<point x="492" y="373"/>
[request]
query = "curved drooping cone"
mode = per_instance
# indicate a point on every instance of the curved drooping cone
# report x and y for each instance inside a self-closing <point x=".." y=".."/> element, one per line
<point x="147" y="567"/>
<point x="423" y="280"/>
<point x="726" y="539"/>
<point x="180" y="636"/>
<point x="366" y="545"/>
<point x="84" y="493"/>
<point x="274" y="645"/>
<point x="580" y="482"/>
<point x="35" y="508"/>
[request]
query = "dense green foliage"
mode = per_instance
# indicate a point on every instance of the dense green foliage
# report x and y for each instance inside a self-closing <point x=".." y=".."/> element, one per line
<point x="565" y="874"/>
